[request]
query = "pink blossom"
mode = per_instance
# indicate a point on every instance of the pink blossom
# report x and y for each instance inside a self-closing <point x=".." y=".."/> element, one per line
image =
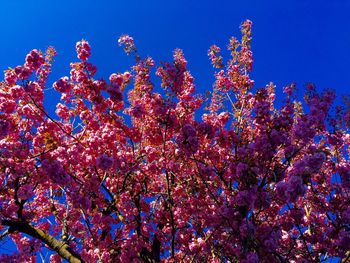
<point x="240" y="168"/>
<point x="7" y="106"/>
<point x="281" y="191"/>
<point x="55" y="171"/>
<point x="83" y="50"/>
<point x="78" y="75"/>
<point x="11" y="77"/>
<point x="4" y="128"/>
<point x="246" y="198"/>
<point x="251" y="258"/>
<point x="295" y="188"/>
<point x="128" y="43"/>
<point x="34" y="59"/>
<point x="246" y="228"/>
<point x="25" y="192"/>
<point x="116" y="79"/>
<point x="344" y="172"/>
<point x="344" y="240"/>
<point x="115" y="93"/>
<point x="314" y="162"/>
<point x="62" y="85"/>
<point x="137" y="111"/>
<point x="23" y="72"/>
<point x="346" y="216"/>
<point x="17" y="92"/>
<point x="179" y="60"/>
<point x="206" y="129"/>
<point x="127" y="76"/>
<point x="104" y="162"/>
<point x="62" y="111"/>
<point x="213" y="54"/>
<point x="189" y="131"/>
<point x="189" y="139"/>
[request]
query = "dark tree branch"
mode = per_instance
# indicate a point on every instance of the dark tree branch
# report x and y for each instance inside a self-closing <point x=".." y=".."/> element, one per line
<point x="60" y="247"/>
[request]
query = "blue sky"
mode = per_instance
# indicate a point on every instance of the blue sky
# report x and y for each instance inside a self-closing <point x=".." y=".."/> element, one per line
<point x="293" y="41"/>
<point x="301" y="40"/>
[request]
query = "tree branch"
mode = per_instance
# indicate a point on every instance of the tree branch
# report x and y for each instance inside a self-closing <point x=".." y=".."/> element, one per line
<point x="60" y="247"/>
<point x="346" y="257"/>
<point x="4" y="234"/>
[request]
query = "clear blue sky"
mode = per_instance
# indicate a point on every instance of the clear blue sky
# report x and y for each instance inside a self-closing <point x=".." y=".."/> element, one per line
<point x="301" y="40"/>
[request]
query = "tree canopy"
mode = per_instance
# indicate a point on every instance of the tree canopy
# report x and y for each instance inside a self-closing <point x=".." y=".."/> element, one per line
<point x="124" y="173"/>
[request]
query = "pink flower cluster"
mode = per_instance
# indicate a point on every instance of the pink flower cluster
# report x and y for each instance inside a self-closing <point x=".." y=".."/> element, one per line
<point x="216" y="60"/>
<point x="4" y="128"/>
<point x="34" y="60"/>
<point x="104" y="162"/>
<point x="292" y="189"/>
<point x="55" y="171"/>
<point x="128" y="43"/>
<point x="83" y="50"/>
<point x="189" y="139"/>
<point x="63" y="85"/>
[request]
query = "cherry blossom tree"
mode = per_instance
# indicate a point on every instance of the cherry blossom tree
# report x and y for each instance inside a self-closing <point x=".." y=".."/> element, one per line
<point x="127" y="174"/>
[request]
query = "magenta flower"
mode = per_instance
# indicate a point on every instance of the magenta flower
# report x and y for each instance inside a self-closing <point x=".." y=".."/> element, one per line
<point x="83" y="50"/>
<point x="4" y="128"/>
<point x="62" y="85"/>
<point x="104" y="162"/>
<point x="55" y="171"/>
<point x="34" y="60"/>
